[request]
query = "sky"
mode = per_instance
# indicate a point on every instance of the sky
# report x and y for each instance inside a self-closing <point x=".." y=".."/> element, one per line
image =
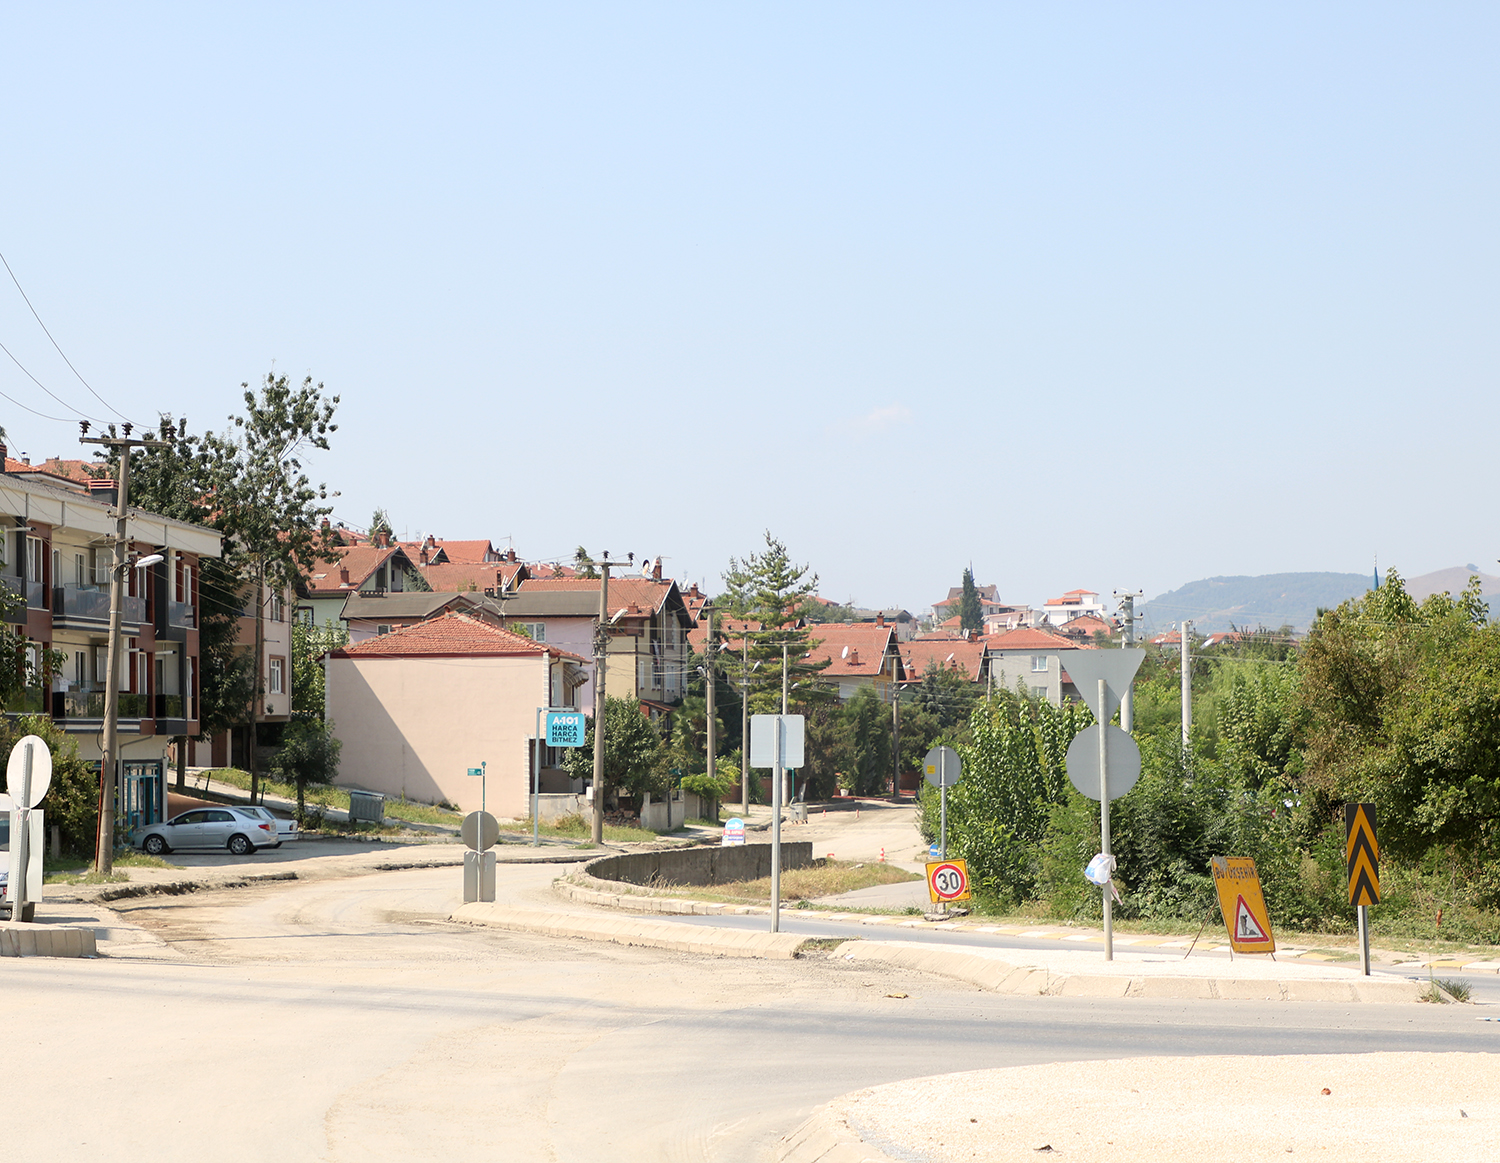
<point x="1088" y="295"/>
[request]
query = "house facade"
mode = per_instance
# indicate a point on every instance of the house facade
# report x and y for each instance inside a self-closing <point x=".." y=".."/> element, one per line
<point x="1034" y="659"/>
<point x="58" y="535"/>
<point x="420" y="706"/>
<point x="858" y="654"/>
<point x="382" y="567"/>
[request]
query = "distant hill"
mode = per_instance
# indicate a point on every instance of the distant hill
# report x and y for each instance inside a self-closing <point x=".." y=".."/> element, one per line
<point x="1272" y="600"/>
<point x="1453" y="580"/>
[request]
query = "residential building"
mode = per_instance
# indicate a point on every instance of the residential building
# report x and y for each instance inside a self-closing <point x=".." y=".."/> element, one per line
<point x="859" y="654"/>
<point x="58" y="541"/>
<point x="965" y="655"/>
<point x="1034" y="659"/>
<point x="382" y="567"/>
<point x="369" y="615"/>
<point x="417" y="708"/>
<point x="1083" y="628"/>
<point x="1073" y="603"/>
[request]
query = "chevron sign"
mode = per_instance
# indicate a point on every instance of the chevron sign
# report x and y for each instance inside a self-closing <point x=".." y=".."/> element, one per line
<point x="1362" y="854"/>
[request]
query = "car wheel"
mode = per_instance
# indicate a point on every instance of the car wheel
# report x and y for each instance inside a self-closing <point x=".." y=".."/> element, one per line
<point x="154" y="846"/>
<point x="240" y="846"/>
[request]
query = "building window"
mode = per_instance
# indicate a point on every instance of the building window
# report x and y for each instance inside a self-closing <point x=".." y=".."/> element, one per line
<point x="382" y="629"/>
<point x="536" y="631"/>
<point x="1038" y="664"/>
<point x="1039" y="692"/>
<point x="276" y="683"/>
<point x="36" y="556"/>
<point x="278" y="612"/>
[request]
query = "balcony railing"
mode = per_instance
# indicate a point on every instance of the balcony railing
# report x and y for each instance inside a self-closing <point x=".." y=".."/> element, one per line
<point x="168" y="706"/>
<point x="181" y="614"/>
<point x="36" y="596"/>
<point x="90" y="705"/>
<point x="88" y="604"/>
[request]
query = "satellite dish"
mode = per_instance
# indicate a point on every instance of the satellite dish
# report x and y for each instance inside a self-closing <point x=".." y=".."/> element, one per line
<point x="845" y="654"/>
<point x="646" y="566"/>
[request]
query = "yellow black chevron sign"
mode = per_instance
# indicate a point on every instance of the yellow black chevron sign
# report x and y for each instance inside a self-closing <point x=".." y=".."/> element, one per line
<point x="1362" y="854"/>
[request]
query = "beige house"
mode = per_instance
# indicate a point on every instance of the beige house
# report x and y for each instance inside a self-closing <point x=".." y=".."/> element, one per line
<point x="1034" y="659"/>
<point x="416" y="708"/>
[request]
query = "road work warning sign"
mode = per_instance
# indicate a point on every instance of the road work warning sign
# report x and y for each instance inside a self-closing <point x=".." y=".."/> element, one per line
<point x="1243" y="905"/>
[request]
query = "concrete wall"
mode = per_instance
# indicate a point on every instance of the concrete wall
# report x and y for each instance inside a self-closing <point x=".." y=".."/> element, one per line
<point x="413" y="726"/>
<point x="698" y="865"/>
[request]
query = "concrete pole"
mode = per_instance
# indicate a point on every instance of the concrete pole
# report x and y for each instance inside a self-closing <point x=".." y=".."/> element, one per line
<point x="710" y="681"/>
<point x="21" y="840"/>
<point x="776" y="773"/>
<point x="745" y="724"/>
<point x="785" y="689"/>
<point x="1127" y="700"/>
<point x="601" y="652"/>
<point x="109" y="751"/>
<point x="1187" y="689"/>
<point x="895" y="730"/>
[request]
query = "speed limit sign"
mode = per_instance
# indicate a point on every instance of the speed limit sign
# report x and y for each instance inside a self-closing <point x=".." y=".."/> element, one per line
<point x="948" y="880"/>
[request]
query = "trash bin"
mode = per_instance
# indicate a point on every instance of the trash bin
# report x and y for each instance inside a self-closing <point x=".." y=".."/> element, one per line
<point x="366" y="807"/>
<point x="799" y="813"/>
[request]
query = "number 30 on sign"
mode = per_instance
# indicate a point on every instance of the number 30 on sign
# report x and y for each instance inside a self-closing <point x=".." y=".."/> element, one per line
<point x="948" y="880"/>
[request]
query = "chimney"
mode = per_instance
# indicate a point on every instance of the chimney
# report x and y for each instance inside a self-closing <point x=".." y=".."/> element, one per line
<point x="383" y="539"/>
<point x="343" y="575"/>
<point x="656" y="570"/>
<point x="325" y="524"/>
<point x="422" y="557"/>
<point x="4" y="452"/>
<point x="880" y="619"/>
<point x="854" y="658"/>
<point x="510" y="555"/>
<point x="103" y="489"/>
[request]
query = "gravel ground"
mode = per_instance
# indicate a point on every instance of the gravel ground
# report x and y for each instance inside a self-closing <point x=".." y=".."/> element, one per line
<point x="1349" y="1108"/>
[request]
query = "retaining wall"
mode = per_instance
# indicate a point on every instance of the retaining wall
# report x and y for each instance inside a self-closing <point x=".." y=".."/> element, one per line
<point x="707" y="865"/>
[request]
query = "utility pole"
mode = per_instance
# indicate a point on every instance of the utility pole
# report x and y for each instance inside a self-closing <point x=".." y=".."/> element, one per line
<point x="1187" y="688"/>
<point x="601" y="651"/>
<point x="109" y="749"/>
<point x="745" y="721"/>
<point x="895" y="730"/>
<point x="1127" y="703"/>
<point x="710" y="681"/>
<point x="785" y="690"/>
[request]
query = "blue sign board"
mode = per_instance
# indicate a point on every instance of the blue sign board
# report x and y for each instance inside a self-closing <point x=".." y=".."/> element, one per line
<point x="565" y="728"/>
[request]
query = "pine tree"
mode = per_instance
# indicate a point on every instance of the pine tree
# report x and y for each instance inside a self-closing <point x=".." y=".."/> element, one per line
<point x="768" y="588"/>
<point x="970" y="613"/>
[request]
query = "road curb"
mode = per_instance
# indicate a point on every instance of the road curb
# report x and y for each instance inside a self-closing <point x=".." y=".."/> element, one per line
<point x="633" y="931"/>
<point x="997" y="976"/>
<point x="826" y="1137"/>
<point x="22" y="939"/>
<point x="607" y="894"/>
<point x="121" y="892"/>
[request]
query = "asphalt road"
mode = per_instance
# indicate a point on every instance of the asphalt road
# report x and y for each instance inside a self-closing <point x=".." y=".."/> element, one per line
<point x="344" y="1019"/>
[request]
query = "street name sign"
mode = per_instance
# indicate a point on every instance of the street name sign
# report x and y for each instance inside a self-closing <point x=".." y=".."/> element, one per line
<point x="948" y="880"/>
<point x="1242" y="904"/>
<point x="566" y="728"/>
<point x="1362" y="854"/>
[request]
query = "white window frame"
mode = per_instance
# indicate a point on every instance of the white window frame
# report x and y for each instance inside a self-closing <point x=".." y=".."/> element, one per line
<point x="276" y="679"/>
<point x="1039" y="664"/>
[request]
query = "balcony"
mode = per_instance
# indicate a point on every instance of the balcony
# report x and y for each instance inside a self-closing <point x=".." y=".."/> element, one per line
<point x="181" y="617"/>
<point x="69" y="706"/>
<point x="36" y="596"/>
<point x="88" y="606"/>
<point x="28" y="701"/>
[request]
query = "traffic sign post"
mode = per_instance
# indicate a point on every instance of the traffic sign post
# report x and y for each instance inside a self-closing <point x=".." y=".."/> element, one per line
<point x="943" y="768"/>
<point x="777" y="742"/>
<point x="1242" y="904"/>
<point x="948" y="880"/>
<point x="479" y="832"/>
<point x="28" y="775"/>
<point x="1107" y="674"/>
<point x="734" y="833"/>
<point x="1362" y="859"/>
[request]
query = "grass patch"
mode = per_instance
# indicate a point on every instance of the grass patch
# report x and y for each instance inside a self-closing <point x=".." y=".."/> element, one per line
<point x="88" y="876"/>
<point x="327" y="796"/>
<point x="800" y="885"/>
<point x="1454" y="987"/>
<point x="822" y="944"/>
<point x="577" y="827"/>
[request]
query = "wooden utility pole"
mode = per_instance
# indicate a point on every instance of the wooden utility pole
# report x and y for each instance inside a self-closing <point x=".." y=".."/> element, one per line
<point x="257" y="690"/>
<point x="745" y="721"/>
<point x="109" y="748"/>
<point x="895" y="728"/>
<point x="601" y="652"/>
<point x="709" y="684"/>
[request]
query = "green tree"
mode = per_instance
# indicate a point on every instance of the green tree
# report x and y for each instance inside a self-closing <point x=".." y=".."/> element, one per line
<point x="970" y="612"/>
<point x="635" y="757"/>
<point x="866" y="747"/>
<point x="309" y="645"/>
<point x="584" y="564"/>
<point x="769" y="588"/>
<point x="309" y="753"/>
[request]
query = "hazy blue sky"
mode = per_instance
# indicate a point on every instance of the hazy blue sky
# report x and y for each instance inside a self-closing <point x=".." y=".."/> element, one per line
<point x="1100" y="295"/>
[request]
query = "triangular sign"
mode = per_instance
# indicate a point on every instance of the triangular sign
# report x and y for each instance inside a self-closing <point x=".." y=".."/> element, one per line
<point x="1246" y="928"/>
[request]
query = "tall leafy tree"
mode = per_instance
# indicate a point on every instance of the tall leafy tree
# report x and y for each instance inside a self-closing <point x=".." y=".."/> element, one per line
<point x="635" y="756"/>
<point x="970" y="612"/>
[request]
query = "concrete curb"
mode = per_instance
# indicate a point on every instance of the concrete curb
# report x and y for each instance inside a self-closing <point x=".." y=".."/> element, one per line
<point x="827" y="1138"/>
<point x="990" y="973"/>
<point x="609" y="894"/>
<point x="19" y="939"/>
<point x="633" y="931"/>
<point x="178" y="887"/>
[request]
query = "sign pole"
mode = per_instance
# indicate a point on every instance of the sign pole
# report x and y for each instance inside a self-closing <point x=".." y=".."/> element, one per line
<point x="22" y="841"/>
<point x="1364" y="938"/>
<point x="776" y="825"/>
<point x="536" y="784"/>
<point x="1109" y="919"/>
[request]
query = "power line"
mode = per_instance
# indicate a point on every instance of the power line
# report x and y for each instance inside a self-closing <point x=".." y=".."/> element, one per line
<point x="44" y="388"/>
<point x="60" y="351"/>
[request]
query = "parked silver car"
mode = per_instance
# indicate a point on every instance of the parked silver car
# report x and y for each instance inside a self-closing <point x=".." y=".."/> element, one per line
<point x="234" y="828"/>
<point x="286" y="829"/>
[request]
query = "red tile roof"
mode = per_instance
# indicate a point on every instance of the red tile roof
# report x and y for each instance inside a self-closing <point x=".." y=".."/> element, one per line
<point x="325" y="573"/>
<point x="853" y="649"/>
<point x="1025" y="638"/>
<point x="448" y="636"/>
<point x="466" y="552"/>
<point x="645" y="594"/>
<point x="461" y="576"/>
<point x="948" y="653"/>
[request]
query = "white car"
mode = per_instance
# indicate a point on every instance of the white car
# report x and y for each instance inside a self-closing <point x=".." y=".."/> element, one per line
<point x="286" y="829"/>
<point x="236" y="829"/>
